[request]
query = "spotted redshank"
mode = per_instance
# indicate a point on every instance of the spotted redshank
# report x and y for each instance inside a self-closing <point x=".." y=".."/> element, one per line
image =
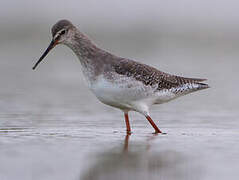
<point x="119" y="82"/>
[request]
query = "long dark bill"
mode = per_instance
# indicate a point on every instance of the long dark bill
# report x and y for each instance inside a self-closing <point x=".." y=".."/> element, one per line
<point x="52" y="45"/>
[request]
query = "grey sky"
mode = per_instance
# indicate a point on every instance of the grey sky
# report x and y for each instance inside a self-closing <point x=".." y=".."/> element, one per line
<point x="121" y="12"/>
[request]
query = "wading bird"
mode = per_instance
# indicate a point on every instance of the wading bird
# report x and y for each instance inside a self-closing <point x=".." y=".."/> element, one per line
<point x="119" y="82"/>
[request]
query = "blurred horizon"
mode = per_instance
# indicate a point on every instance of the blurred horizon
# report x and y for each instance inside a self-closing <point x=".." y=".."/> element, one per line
<point x="215" y="18"/>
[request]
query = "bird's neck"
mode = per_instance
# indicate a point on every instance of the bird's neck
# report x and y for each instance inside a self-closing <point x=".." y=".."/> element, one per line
<point x="89" y="55"/>
<point x="83" y="47"/>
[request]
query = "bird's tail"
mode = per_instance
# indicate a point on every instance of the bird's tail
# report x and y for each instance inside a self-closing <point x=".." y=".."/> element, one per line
<point x="196" y="86"/>
<point x="191" y="85"/>
<point x="202" y="85"/>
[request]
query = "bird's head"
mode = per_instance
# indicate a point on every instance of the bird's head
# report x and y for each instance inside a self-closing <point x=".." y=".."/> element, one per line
<point x="62" y="33"/>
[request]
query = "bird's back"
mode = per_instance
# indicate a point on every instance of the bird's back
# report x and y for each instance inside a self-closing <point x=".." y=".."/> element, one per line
<point x="150" y="76"/>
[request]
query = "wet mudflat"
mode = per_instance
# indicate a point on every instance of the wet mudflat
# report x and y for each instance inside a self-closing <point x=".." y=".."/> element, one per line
<point x="99" y="153"/>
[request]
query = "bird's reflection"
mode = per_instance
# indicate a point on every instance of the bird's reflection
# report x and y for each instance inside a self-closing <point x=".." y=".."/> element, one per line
<point x="135" y="160"/>
<point x="148" y="140"/>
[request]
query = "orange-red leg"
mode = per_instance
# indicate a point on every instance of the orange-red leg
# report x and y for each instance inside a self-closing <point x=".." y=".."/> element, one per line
<point x="153" y="124"/>
<point x="126" y="142"/>
<point x="128" y="130"/>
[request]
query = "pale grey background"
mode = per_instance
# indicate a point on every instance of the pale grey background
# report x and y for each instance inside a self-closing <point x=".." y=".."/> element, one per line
<point x="52" y="127"/>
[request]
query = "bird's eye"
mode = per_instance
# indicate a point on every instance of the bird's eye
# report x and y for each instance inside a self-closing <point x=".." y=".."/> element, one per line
<point x="63" y="32"/>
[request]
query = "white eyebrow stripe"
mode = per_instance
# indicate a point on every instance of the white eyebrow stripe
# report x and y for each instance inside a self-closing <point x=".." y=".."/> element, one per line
<point x="61" y="31"/>
<point x="56" y="36"/>
<point x="58" y="33"/>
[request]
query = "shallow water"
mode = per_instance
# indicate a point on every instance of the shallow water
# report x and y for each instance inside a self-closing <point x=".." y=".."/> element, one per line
<point x="52" y="127"/>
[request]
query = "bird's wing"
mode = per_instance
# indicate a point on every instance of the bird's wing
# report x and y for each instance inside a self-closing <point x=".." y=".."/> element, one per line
<point x="151" y="76"/>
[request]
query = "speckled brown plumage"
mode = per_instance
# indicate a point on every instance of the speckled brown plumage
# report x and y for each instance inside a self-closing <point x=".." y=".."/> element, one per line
<point x="151" y="76"/>
<point x="103" y="62"/>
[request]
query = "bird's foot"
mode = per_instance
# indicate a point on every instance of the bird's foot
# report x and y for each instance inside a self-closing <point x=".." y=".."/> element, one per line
<point x="161" y="133"/>
<point x="129" y="132"/>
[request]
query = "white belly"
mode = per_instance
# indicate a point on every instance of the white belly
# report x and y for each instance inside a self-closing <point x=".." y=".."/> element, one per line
<point x="127" y="94"/>
<point x="121" y="92"/>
